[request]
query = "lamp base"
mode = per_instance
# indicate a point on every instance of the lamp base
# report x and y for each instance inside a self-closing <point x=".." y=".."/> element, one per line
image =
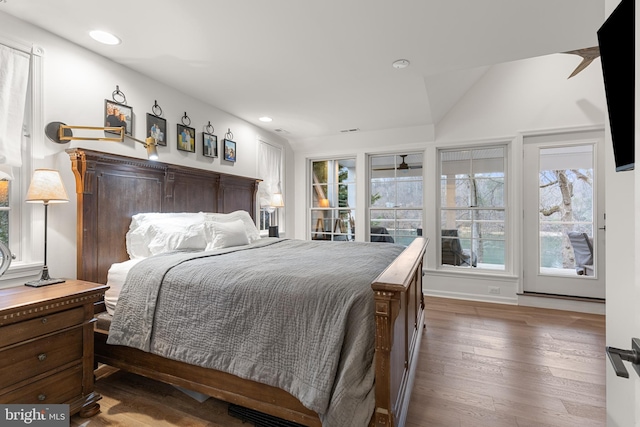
<point x="273" y="231"/>
<point x="39" y="283"/>
<point x="44" y="280"/>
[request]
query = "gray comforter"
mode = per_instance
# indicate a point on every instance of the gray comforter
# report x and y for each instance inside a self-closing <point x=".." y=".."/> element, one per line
<point x="293" y="314"/>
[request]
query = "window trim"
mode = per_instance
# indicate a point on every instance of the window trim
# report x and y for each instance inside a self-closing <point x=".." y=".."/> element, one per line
<point x="310" y="226"/>
<point x="369" y="208"/>
<point x="30" y="235"/>
<point x="509" y="182"/>
<point x="263" y="210"/>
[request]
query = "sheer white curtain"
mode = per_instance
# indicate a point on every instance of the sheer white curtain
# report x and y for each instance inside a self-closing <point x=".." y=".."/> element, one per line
<point x="270" y="171"/>
<point x="14" y="77"/>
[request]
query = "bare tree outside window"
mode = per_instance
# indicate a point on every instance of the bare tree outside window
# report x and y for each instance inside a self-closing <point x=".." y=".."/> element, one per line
<point x="566" y="204"/>
<point x="473" y="207"/>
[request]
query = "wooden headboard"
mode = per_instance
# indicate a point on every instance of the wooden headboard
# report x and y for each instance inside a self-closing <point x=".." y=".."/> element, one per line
<point x="111" y="189"/>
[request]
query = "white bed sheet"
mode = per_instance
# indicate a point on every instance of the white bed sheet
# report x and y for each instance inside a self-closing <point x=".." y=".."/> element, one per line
<point x="116" y="277"/>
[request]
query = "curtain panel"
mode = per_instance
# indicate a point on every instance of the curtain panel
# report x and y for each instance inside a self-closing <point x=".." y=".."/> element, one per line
<point x="14" y="78"/>
<point x="269" y="169"/>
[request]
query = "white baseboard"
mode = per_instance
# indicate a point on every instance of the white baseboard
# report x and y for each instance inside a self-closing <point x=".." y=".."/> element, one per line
<point x="592" y="307"/>
<point x="595" y="307"/>
<point x="472" y="297"/>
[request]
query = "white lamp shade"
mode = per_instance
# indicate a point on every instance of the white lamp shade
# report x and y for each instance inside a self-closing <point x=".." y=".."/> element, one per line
<point x="46" y="187"/>
<point x="277" y="201"/>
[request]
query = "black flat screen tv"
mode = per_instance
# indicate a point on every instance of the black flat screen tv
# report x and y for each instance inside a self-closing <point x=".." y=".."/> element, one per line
<point x="616" y="40"/>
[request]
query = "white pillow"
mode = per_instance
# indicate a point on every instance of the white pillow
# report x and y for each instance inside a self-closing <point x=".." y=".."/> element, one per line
<point x="175" y="237"/>
<point x="226" y="234"/>
<point x="145" y="226"/>
<point x="138" y="239"/>
<point x="249" y="226"/>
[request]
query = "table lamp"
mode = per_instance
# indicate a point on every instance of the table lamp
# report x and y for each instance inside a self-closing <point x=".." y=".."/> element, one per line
<point x="46" y="187"/>
<point x="276" y="202"/>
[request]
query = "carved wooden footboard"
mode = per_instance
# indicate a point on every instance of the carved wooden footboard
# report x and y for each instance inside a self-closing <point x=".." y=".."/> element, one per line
<point x="111" y="188"/>
<point x="399" y="325"/>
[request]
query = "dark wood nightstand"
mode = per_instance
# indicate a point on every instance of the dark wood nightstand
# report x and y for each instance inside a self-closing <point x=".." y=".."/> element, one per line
<point x="46" y="345"/>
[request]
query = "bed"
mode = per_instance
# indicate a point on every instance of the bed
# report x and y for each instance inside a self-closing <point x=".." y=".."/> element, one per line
<point x="111" y="189"/>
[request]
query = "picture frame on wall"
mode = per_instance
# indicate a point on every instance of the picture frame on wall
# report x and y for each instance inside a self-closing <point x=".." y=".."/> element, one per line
<point x="230" y="150"/>
<point x="157" y="128"/>
<point x="209" y="145"/>
<point x="118" y="115"/>
<point x="186" y="138"/>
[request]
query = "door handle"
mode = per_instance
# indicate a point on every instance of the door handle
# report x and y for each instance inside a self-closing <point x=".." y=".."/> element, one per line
<point x="616" y="356"/>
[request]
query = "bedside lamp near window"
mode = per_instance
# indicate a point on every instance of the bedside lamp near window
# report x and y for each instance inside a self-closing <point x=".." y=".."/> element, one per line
<point x="46" y="187"/>
<point x="276" y="202"/>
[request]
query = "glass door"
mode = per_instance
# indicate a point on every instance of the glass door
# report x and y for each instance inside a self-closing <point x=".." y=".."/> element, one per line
<point x="563" y="215"/>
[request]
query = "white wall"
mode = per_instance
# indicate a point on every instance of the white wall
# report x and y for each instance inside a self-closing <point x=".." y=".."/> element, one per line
<point x="508" y="101"/>
<point x="528" y="95"/>
<point x="76" y="83"/>
<point x="623" y="282"/>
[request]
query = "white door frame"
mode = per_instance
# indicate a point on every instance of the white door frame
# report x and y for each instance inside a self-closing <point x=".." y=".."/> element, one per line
<point x="533" y="280"/>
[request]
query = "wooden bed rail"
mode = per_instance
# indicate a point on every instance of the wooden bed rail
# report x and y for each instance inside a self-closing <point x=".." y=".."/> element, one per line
<point x="399" y="312"/>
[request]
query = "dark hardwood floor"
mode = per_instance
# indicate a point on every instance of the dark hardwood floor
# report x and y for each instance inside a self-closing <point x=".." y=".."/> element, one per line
<point x="480" y="365"/>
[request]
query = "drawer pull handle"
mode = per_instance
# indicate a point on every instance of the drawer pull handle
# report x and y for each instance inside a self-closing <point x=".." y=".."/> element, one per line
<point x="42" y="357"/>
<point x="42" y="397"/>
<point x="44" y="320"/>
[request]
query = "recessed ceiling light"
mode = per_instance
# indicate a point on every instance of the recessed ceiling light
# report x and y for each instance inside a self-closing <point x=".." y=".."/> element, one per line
<point x="104" y="37"/>
<point x="265" y="119"/>
<point x="401" y="63"/>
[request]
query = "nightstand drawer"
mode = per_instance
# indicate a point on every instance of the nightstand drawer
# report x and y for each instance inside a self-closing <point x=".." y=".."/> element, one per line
<point x="36" y="357"/>
<point x="58" y="388"/>
<point x="46" y="345"/>
<point x="22" y="331"/>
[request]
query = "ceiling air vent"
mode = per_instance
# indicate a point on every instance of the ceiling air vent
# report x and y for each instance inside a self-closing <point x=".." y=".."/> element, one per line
<point x="280" y="130"/>
<point x="349" y="130"/>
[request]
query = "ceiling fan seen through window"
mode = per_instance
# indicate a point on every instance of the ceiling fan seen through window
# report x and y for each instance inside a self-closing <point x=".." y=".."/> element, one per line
<point x="403" y="165"/>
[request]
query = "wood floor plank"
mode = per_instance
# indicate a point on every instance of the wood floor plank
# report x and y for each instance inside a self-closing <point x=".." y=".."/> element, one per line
<point x="556" y="418"/>
<point x="480" y="365"/>
<point x="595" y="378"/>
<point x="583" y="410"/>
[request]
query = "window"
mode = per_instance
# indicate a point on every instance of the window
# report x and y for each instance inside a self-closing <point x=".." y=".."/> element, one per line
<point x="333" y="199"/>
<point x="473" y="207"/>
<point x="566" y="204"/>
<point x="270" y="167"/>
<point x="395" y="209"/>
<point x="16" y="224"/>
<point x="15" y="63"/>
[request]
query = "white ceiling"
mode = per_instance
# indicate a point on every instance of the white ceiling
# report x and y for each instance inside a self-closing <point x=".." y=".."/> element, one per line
<point x="320" y="67"/>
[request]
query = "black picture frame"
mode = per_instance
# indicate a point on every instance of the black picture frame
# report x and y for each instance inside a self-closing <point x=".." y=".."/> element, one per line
<point x="209" y="145"/>
<point x="157" y="128"/>
<point x="230" y="153"/>
<point x="118" y="115"/>
<point x="186" y="138"/>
